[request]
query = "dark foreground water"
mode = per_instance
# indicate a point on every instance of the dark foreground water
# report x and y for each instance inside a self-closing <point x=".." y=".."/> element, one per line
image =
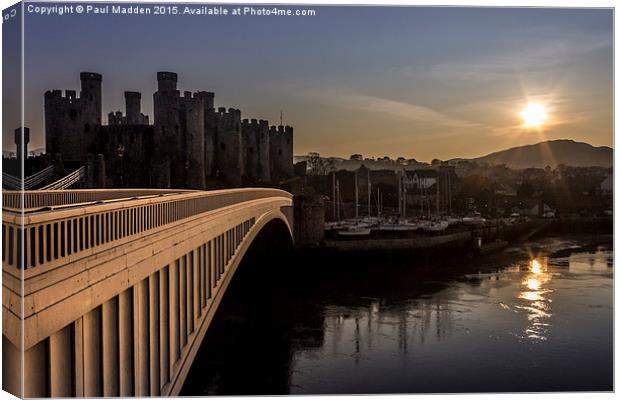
<point x="537" y="317"/>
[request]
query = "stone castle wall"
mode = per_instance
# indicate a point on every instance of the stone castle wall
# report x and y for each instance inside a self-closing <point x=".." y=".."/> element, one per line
<point x="280" y="151"/>
<point x="189" y="144"/>
<point x="71" y="121"/>
<point x="256" y="146"/>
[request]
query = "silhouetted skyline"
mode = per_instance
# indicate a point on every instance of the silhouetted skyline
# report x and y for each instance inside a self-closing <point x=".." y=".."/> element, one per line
<point x="417" y="82"/>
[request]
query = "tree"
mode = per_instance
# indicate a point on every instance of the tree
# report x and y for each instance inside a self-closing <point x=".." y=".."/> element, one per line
<point x="356" y="157"/>
<point x="525" y="190"/>
<point x="318" y="165"/>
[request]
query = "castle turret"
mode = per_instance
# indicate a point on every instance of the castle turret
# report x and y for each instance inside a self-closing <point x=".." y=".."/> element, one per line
<point x="210" y="129"/>
<point x="90" y="96"/>
<point x="281" y="152"/>
<point x="166" y="81"/>
<point x="167" y="141"/>
<point x="193" y="121"/>
<point x="132" y="107"/>
<point x="229" y="159"/>
<point x="264" y="163"/>
<point x="133" y="116"/>
<point x="115" y="118"/>
<point x="71" y="123"/>
<point x="256" y="150"/>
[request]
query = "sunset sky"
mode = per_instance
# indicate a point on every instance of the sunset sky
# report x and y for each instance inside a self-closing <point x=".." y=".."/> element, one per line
<point x="399" y="81"/>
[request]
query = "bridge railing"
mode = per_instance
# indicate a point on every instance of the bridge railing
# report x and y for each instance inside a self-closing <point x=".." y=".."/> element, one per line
<point x="29" y="182"/>
<point x="69" y="233"/>
<point x="48" y="198"/>
<point x="67" y="181"/>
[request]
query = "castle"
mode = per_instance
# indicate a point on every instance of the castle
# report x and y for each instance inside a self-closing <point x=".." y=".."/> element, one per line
<point x="190" y="144"/>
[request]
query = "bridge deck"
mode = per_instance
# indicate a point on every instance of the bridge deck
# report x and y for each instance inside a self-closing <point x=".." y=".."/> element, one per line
<point x="17" y="201"/>
<point x="115" y="294"/>
<point x="65" y="226"/>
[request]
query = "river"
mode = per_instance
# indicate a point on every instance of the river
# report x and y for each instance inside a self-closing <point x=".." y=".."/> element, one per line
<point x="535" y="317"/>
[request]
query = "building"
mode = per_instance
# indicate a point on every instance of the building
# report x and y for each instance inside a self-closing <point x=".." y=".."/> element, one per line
<point x="607" y="186"/>
<point x="419" y="180"/>
<point x="190" y="143"/>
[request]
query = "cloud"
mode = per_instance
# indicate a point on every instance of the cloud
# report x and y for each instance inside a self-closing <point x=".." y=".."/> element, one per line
<point x="545" y="56"/>
<point x="356" y="101"/>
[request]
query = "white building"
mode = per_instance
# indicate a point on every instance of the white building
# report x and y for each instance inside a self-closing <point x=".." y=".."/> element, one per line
<point x="607" y="186"/>
<point x="420" y="179"/>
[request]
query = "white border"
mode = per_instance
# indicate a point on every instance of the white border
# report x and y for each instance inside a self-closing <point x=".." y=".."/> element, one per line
<point x="475" y="3"/>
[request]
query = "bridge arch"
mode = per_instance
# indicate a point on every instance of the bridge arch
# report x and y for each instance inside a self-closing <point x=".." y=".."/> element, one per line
<point x="263" y="223"/>
<point x="116" y="290"/>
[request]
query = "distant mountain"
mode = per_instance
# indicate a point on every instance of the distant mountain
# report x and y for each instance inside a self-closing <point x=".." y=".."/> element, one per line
<point x="552" y="153"/>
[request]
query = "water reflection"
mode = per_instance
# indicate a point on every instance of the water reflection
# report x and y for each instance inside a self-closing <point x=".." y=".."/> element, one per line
<point x="526" y="323"/>
<point x="538" y="299"/>
<point x="589" y="262"/>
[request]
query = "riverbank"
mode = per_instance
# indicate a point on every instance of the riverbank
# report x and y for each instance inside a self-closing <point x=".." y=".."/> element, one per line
<point x="476" y="240"/>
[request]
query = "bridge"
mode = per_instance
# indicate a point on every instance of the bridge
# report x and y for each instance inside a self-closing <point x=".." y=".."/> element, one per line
<point x="42" y="178"/>
<point x="110" y="292"/>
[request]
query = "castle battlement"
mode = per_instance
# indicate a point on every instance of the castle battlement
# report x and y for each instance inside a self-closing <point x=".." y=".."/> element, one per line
<point x="71" y="121"/>
<point x="133" y="116"/>
<point x="255" y="123"/>
<point x="230" y="113"/>
<point x="189" y="143"/>
<point x="90" y="76"/>
<point x="198" y="96"/>
<point x="280" y="130"/>
<point x="207" y="97"/>
<point x="57" y="94"/>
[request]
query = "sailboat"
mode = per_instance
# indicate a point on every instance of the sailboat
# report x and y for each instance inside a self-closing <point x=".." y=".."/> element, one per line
<point x="356" y="227"/>
<point x="437" y="226"/>
<point x="355" y="230"/>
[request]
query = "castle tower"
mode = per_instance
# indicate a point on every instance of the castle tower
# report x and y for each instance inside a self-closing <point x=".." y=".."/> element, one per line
<point x="167" y="139"/>
<point x="249" y="131"/>
<point x="281" y="152"/>
<point x="167" y="81"/>
<point x="132" y="107"/>
<point x="228" y="159"/>
<point x="256" y="150"/>
<point x="71" y="123"/>
<point x="133" y="114"/>
<point x="90" y="97"/>
<point x="193" y="127"/>
<point x="210" y="131"/>
<point x="264" y="165"/>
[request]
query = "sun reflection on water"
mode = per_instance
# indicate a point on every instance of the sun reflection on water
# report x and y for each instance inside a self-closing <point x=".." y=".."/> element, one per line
<point x="535" y="293"/>
<point x="535" y="266"/>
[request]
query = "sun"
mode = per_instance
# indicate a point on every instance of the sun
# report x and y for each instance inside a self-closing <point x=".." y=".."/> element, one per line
<point x="534" y="114"/>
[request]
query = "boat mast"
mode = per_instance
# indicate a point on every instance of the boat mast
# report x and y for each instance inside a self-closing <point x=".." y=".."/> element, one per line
<point x="338" y="197"/>
<point x="334" y="194"/>
<point x="356" y="198"/>
<point x="378" y="206"/>
<point x="450" y="193"/>
<point x="437" y="194"/>
<point x="400" y="192"/>
<point x="404" y="202"/>
<point x="369" y="193"/>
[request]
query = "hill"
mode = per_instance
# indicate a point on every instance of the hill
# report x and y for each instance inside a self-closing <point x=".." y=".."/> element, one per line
<point x="552" y="153"/>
